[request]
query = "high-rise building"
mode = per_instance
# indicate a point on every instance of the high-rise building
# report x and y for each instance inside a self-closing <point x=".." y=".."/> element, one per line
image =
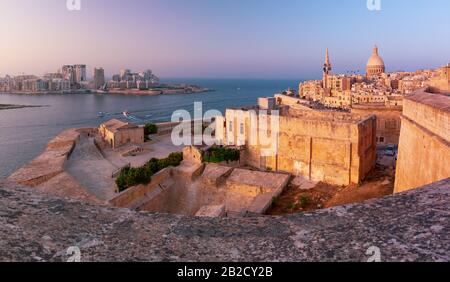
<point x="99" y="78"/>
<point x="125" y="74"/>
<point x="74" y="73"/>
<point x="68" y="73"/>
<point x="80" y="73"/>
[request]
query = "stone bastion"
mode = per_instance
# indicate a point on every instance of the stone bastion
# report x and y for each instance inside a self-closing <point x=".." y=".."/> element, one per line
<point x="410" y="226"/>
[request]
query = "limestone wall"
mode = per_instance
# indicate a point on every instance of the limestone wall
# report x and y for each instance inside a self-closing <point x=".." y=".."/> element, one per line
<point x="430" y="111"/>
<point x="133" y="194"/>
<point x="388" y="122"/>
<point x="133" y="135"/>
<point x="181" y="197"/>
<point x="47" y="173"/>
<point x="424" y="150"/>
<point x="193" y="154"/>
<point x="50" y="163"/>
<point x="331" y="147"/>
<point x="336" y="153"/>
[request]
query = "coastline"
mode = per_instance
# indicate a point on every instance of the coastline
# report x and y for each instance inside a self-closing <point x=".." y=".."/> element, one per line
<point x="13" y="107"/>
<point x="150" y="92"/>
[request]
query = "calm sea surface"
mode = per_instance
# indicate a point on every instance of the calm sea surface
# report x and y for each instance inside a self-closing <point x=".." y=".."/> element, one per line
<point x="25" y="132"/>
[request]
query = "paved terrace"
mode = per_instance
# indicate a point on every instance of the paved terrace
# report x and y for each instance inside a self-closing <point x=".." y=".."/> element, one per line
<point x="412" y="226"/>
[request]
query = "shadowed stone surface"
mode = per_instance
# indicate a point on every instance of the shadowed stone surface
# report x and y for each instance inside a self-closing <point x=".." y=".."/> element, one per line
<point x="412" y="226"/>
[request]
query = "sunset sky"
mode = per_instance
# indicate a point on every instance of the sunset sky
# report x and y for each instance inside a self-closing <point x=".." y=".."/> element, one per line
<point x="222" y="38"/>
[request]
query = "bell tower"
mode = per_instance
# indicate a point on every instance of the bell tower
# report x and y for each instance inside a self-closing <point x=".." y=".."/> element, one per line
<point x="326" y="70"/>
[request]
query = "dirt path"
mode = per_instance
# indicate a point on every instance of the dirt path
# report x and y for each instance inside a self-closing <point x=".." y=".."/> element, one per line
<point x="379" y="183"/>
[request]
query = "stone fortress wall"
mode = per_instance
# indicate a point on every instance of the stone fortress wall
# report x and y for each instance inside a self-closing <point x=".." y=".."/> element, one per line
<point x="336" y="148"/>
<point x="47" y="172"/>
<point x="388" y="121"/>
<point x="424" y="150"/>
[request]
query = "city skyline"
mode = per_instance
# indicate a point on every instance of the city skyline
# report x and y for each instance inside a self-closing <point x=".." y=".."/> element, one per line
<point x="198" y="39"/>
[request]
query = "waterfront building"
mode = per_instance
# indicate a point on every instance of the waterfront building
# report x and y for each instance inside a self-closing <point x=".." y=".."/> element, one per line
<point x="58" y="84"/>
<point x="99" y="78"/>
<point x="80" y="73"/>
<point x="125" y="75"/>
<point x="56" y="75"/>
<point x="117" y="133"/>
<point x="74" y="73"/>
<point x="68" y="73"/>
<point x="130" y="80"/>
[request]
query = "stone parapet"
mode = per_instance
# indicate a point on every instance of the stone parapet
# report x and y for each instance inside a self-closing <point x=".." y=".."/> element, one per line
<point x="424" y="148"/>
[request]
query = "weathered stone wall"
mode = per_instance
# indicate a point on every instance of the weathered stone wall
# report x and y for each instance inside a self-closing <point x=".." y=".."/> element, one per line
<point x="336" y="153"/>
<point x="193" y="154"/>
<point x="424" y="150"/>
<point x="47" y="173"/>
<point x="181" y="197"/>
<point x="133" y="135"/>
<point x="430" y="111"/>
<point x="411" y="226"/>
<point x="50" y="163"/>
<point x="133" y="194"/>
<point x="335" y="148"/>
<point x="388" y="122"/>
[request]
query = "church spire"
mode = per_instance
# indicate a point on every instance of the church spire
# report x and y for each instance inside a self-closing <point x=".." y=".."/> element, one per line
<point x="327" y="65"/>
<point x="326" y="70"/>
<point x="327" y="58"/>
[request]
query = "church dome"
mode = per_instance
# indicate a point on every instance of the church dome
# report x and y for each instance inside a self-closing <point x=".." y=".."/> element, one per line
<point x="375" y="65"/>
<point x="375" y="60"/>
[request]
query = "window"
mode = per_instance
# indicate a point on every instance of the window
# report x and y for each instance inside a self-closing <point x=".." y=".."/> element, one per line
<point x="381" y="139"/>
<point x="231" y="126"/>
<point x="242" y="128"/>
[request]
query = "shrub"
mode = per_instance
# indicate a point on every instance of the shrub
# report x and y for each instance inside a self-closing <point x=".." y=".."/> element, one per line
<point x="129" y="177"/>
<point x="274" y="201"/>
<point x="150" y="128"/>
<point x="220" y="154"/>
<point x="304" y="202"/>
<point x="132" y="176"/>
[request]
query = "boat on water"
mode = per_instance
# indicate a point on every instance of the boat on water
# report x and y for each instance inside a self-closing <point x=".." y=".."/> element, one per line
<point x="126" y="114"/>
<point x="100" y="114"/>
